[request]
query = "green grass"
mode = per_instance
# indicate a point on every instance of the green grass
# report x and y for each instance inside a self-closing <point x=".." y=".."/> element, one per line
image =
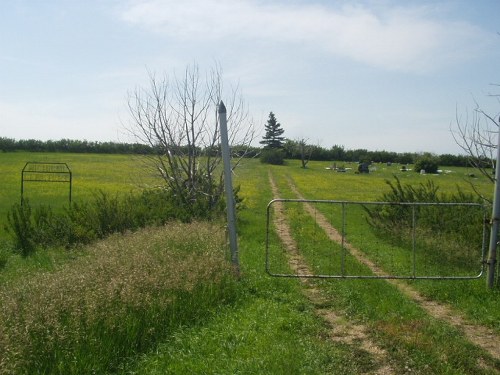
<point x="414" y="339"/>
<point x="423" y="348"/>
<point x="319" y="183"/>
<point x="91" y="172"/>
<point x="128" y="292"/>
<point x="260" y="336"/>
<point x="271" y="328"/>
<point x="260" y="324"/>
<point x="470" y="297"/>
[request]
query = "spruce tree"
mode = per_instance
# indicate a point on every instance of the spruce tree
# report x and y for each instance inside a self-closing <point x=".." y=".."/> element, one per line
<point x="273" y="139"/>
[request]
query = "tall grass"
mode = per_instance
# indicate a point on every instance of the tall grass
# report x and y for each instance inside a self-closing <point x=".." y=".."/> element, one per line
<point x="91" y="172"/>
<point x="100" y="216"/>
<point x="119" y="299"/>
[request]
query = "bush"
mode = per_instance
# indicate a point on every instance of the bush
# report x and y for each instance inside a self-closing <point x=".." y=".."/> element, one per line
<point x="272" y="156"/>
<point x="428" y="163"/>
<point x="456" y="226"/>
<point x="5" y="253"/>
<point x="41" y="228"/>
<point x="83" y="223"/>
<point x="20" y="225"/>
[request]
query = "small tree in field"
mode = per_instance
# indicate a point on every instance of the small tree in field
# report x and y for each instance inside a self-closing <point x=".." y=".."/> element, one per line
<point x="273" y="138"/>
<point x="427" y="162"/>
<point x="273" y="152"/>
<point x="305" y="152"/>
<point x="298" y="148"/>
<point x="179" y="118"/>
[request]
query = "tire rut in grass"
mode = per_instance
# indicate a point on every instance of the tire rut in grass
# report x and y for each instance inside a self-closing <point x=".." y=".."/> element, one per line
<point x="481" y="336"/>
<point x="340" y="329"/>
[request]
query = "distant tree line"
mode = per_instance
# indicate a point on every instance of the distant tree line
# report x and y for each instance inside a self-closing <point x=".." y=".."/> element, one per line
<point x="75" y="146"/>
<point x="290" y="148"/>
<point x="339" y="153"/>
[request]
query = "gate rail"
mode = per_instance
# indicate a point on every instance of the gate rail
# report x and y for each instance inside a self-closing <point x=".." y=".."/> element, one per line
<point x="345" y="245"/>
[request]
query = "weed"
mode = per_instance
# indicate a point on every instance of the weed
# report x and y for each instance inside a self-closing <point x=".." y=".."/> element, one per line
<point x="5" y="253"/>
<point x="120" y="299"/>
<point x="20" y="222"/>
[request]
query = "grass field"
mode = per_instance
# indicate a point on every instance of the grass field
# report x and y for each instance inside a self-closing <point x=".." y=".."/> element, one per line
<point x="90" y="173"/>
<point x="269" y="325"/>
<point x="123" y="173"/>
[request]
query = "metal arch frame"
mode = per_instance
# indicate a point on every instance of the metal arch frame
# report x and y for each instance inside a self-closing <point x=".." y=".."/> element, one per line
<point x="344" y="204"/>
<point x="46" y="172"/>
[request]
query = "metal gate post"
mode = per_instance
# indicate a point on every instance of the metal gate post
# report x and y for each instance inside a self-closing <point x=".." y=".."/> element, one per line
<point x="228" y="185"/>
<point x="495" y="218"/>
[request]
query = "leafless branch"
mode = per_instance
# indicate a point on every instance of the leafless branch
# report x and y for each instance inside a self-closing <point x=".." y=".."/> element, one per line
<point x="179" y="118"/>
<point x="476" y="135"/>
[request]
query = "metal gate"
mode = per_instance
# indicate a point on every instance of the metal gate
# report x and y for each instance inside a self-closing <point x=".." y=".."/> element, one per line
<point x="370" y="240"/>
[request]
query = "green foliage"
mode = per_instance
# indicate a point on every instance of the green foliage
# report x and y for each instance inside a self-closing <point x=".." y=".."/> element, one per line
<point x="435" y="224"/>
<point x="453" y="160"/>
<point x="272" y="156"/>
<point x="426" y="192"/>
<point x="73" y="145"/>
<point x="84" y="222"/>
<point x="265" y="326"/>
<point x="398" y="193"/>
<point x="414" y="340"/>
<point x="21" y="226"/>
<point x="5" y="253"/>
<point x="300" y="149"/>
<point x="273" y="138"/>
<point x="103" y="215"/>
<point x="271" y="329"/>
<point x="428" y="163"/>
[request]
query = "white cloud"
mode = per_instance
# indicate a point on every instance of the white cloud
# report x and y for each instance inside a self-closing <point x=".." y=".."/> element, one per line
<point x="405" y="39"/>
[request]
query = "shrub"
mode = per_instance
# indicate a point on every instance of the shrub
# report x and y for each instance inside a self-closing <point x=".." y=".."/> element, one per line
<point x="79" y="224"/>
<point x="20" y="225"/>
<point x="40" y="227"/>
<point x="105" y="214"/>
<point x="272" y="156"/>
<point x="428" y="163"/>
<point x="456" y="226"/>
<point x="5" y="253"/>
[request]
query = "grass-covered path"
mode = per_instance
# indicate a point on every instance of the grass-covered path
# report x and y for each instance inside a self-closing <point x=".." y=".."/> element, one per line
<point x="340" y="330"/>
<point x="481" y="336"/>
<point x="420" y="334"/>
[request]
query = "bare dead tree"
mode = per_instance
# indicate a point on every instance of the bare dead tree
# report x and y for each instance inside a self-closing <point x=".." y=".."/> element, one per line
<point x="477" y="134"/>
<point x="178" y="117"/>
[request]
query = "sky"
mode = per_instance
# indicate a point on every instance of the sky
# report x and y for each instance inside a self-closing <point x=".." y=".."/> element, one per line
<point x="388" y="75"/>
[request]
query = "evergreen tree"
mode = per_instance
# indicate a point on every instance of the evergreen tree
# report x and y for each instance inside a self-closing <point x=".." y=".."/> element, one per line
<point x="273" y="139"/>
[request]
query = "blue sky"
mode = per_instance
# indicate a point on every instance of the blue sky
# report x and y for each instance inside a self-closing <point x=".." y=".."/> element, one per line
<point x="375" y="74"/>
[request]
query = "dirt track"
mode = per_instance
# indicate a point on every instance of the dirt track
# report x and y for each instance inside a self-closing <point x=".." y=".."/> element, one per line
<point x="340" y="330"/>
<point x="481" y="336"/>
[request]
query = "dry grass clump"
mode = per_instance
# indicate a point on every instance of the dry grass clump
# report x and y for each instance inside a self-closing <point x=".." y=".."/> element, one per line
<point x="117" y="300"/>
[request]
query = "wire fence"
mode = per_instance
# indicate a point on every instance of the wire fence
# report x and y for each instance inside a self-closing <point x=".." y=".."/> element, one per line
<point x="342" y="239"/>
